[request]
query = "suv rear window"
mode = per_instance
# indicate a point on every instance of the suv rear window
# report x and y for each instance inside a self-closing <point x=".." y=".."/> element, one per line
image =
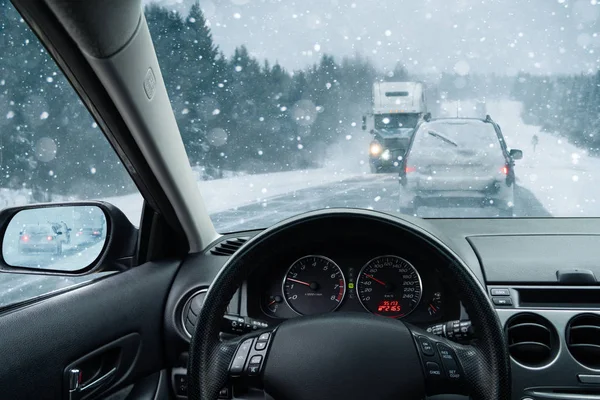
<point x="475" y="135"/>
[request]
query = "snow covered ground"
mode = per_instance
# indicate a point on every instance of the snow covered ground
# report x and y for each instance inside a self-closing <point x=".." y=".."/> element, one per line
<point x="224" y="194"/>
<point x="562" y="176"/>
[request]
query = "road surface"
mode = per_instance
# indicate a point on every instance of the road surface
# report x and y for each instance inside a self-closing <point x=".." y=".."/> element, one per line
<point x="378" y="192"/>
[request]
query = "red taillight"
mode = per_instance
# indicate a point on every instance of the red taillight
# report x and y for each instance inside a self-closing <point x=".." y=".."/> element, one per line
<point x="95" y="233"/>
<point x="24" y="238"/>
<point x="504" y="170"/>
<point x="410" y="169"/>
<point x="79" y="233"/>
<point x="49" y="238"/>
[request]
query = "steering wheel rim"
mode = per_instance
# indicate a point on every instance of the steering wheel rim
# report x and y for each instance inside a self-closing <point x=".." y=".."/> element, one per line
<point x="485" y="364"/>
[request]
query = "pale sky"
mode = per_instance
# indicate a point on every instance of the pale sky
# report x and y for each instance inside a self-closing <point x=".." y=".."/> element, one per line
<point x="429" y="36"/>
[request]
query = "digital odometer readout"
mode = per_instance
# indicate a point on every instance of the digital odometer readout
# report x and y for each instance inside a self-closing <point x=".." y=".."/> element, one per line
<point x="389" y="306"/>
<point x="389" y="286"/>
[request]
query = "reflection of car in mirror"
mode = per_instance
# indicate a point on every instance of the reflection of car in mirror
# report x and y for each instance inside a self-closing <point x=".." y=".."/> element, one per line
<point x="455" y="161"/>
<point x="88" y="235"/>
<point x="41" y="238"/>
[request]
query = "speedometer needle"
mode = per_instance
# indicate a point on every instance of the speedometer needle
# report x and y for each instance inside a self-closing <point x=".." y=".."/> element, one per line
<point x="375" y="279"/>
<point x="297" y="281"/>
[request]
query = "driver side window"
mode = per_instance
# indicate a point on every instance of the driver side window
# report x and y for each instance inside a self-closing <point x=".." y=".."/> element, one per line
<point x="51" y="150"/>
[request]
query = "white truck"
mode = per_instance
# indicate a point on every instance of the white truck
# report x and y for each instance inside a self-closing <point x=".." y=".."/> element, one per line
<point x="397" y="108"/>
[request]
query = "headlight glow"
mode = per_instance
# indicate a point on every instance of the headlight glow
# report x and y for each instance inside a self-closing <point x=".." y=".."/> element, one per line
<point x="375" y="149"/>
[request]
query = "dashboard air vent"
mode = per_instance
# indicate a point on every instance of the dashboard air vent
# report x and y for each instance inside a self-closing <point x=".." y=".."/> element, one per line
<point x="191" y="311"/>
<point x="583" y="339"/>
<point x="532" y="339"/>
<point x="228" y="246"/>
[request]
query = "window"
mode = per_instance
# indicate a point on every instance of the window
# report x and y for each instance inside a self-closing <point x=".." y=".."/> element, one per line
<point x="51" y="149"/>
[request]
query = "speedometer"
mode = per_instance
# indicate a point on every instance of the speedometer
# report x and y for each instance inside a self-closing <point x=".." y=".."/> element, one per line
<point x="389" y="286"/>
<point x="314" y="285"/>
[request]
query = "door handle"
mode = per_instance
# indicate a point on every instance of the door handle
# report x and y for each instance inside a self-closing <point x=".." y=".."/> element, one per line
<point x="98" y="381"/>
<point x="75" y="388"/>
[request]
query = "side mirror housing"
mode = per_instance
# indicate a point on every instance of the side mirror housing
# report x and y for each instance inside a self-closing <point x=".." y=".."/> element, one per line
<point x="516" y="154"/>
<point x="364" y="123"/>
<point x="39" y="252"/>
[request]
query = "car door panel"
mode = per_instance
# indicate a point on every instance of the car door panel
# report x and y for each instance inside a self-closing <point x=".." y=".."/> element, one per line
<point x="122" y="313"/>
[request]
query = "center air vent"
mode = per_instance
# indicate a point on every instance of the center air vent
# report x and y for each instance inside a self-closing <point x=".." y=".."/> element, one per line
<point x="228" y="246"/>
<point x="532" y="339"/>
<point x="583" y="339"/>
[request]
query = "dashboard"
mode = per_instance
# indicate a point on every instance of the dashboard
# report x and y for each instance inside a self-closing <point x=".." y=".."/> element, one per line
<point x="540" y="274"/>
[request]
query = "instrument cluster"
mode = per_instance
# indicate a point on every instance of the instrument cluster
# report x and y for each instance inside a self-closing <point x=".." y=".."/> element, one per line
<point x="403" y="286"/>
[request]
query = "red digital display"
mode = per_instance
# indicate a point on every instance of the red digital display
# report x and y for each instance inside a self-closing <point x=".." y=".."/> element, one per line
<point x="388" y="306"/>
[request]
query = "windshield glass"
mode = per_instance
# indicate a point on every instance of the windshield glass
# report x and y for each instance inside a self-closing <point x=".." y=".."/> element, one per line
<point x="395" y="121"/>
<point x="283" y="107"/>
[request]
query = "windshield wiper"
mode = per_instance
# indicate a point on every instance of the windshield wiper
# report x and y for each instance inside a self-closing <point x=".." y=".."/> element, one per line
<point x="442" y="137"/>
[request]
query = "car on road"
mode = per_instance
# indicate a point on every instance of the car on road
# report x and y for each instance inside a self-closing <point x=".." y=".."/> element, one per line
<point x="41" y="238"/>
<point x="88" y="235"/>
<point x="458" y="162"/>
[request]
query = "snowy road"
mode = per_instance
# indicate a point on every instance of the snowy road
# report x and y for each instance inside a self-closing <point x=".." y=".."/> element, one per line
<point x="378" y="192"/>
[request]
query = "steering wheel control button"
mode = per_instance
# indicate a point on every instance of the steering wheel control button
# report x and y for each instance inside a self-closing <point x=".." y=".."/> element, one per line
<point x="426" y="346"/>
<point x="260" y="346"/>
<point x="500" y="292"/>
<point x="253" y="369"/>
<point x="433" y="370"/>
<point x="257" y="359"/>
<point x="449" y="362"/>
<point x="502" y="301"/>
<point x="264" y="337"/>
<point x="239" y="360"/>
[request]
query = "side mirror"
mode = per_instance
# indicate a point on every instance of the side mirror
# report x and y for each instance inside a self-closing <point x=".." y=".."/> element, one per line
<point x="40" y="252"/>
<point x="364" y="123"/>
<point x="516" y="154"/>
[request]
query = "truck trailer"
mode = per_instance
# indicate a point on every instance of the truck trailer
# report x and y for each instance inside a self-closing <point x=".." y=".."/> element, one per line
<point x="397" y="108"/>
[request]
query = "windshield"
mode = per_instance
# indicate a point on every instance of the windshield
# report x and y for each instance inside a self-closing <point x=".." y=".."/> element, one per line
<point x="276" y="104"/>
<point x="396" y="121"/>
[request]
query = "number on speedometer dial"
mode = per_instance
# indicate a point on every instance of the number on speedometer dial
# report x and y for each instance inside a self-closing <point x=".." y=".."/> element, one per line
<point x="389" y="286"/>
<point x="314" y="285"/>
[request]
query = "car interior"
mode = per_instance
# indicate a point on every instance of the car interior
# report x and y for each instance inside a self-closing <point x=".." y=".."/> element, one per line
<point x="490" y="308"/>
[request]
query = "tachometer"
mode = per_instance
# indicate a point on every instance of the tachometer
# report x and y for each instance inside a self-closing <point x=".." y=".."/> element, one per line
<point x="389" y="286"/>
<point x="314" y="285"/>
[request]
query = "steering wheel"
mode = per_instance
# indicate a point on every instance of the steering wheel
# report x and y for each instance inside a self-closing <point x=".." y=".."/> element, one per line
<point x="347" y="355"/>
